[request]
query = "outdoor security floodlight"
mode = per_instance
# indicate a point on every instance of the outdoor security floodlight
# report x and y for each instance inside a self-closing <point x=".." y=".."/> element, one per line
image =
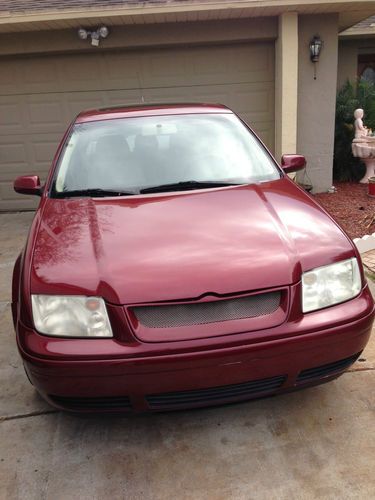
<point x="103" y="32"/>
<point x="96" y="35"/>
<point x="82" y="34"/>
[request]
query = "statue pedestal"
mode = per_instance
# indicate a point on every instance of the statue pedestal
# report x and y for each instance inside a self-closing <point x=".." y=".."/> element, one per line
<point x="370" y="169"/>
<point x="364" y="149"/>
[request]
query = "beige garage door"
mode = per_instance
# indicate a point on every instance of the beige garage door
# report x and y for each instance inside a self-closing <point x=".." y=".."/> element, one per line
<point x="39" y="96"/>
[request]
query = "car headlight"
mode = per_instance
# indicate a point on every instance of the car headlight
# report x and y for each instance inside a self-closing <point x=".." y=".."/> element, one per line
<point x="71" y="316"/>
<point x="329" y="285"/>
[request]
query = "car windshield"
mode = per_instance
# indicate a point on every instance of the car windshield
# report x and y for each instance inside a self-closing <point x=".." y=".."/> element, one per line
<point x="127" y="155"/>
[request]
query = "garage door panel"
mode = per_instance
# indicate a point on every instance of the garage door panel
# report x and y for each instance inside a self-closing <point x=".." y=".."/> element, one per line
<point x="39" y="96"/>
<point x="10" y="202"/>
<point x="12" y="155"/>
<point x="59" y="74"/>
<point x="254" y="103"/>
<point x="29" y="154"/>
<point x="187" y="94"/>
<point x="11" y="115"/>
<point x="162" y="67"/>
<point x="39" y="74"/>
<point x="41" y="149"/>
<point x="76" y="102"/>
<point x="205" y="67"/>
<point x="265" y="131"/>
<point x="122" y="70"/>
<point x="241" y="65"/>
<point x="45" y="111"/>
<point x="124" y="97"/>
<point x="165" y="69"/>
<point x="42" y="152"/>
<point x="255" y="100"/>
<point x="251" y="98"/>
<point x="82" y="72"/>
<point x="10" y="176"/>
<point x="27" y="114"/>
<point x="10" y="76"/>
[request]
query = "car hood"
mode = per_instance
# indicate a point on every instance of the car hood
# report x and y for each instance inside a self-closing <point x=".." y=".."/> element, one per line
<point x="183" y="245"/>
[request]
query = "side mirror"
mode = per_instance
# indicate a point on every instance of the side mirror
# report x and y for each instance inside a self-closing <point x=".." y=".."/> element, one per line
<point x="28" y="184"/>
<point x="293" y="163"/>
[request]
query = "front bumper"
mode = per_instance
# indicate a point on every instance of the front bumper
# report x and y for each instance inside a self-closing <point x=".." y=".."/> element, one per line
<point x="203" y="377"/>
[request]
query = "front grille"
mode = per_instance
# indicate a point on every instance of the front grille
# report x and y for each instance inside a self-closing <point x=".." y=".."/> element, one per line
<point x="175" y="315"/>
<point x="325" y="370"/>
<point x="94" y="404"/>
<point x="226" y="393"/>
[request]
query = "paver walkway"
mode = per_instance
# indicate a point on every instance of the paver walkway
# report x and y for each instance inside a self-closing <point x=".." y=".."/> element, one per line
<point x="368" y="259"/>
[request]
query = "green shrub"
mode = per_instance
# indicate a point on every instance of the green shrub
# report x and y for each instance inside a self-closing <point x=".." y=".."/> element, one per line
<point x="349" y="98"/>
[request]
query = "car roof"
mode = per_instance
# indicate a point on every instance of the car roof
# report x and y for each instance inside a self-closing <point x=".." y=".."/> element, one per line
<point x="135" y="110"/>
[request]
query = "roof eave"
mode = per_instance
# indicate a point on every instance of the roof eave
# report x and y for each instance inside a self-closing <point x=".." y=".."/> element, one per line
<point x="173" y="11"/>
<point x="357" y="33"/>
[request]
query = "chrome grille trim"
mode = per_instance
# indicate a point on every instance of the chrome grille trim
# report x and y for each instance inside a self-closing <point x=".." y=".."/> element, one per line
<point x="199" y="313"/>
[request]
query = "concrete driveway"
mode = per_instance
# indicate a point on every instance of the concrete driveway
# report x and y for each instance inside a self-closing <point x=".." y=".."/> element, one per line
<point x="317" y="443"/>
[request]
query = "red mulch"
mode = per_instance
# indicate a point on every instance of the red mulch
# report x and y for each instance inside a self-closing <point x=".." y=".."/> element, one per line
<point x="351" y="207"/>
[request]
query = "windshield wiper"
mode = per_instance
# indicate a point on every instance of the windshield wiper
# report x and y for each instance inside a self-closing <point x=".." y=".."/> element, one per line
<point x="93" y="192"/>
<point x="186" y="185"/>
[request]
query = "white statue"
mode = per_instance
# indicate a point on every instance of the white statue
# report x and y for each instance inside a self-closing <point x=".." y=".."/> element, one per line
<point x="360" y="129"/>
<point x="363" y="145"/>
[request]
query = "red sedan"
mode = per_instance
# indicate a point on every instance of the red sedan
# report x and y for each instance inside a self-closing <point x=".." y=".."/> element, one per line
<point x="173" y="264"/>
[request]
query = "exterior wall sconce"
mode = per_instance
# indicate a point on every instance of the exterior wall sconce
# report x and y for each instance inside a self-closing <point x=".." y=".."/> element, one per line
<point x="316" y="45"/>
<point x="96" y="35"/>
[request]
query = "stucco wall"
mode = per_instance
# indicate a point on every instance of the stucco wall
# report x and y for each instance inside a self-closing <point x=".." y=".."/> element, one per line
<point x="316" y="98"/>
<point x="348" y="58"/>
<point x="347" y="62"/>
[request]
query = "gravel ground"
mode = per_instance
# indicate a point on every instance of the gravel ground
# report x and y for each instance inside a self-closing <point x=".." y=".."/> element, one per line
<point x="352" y="208"/>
